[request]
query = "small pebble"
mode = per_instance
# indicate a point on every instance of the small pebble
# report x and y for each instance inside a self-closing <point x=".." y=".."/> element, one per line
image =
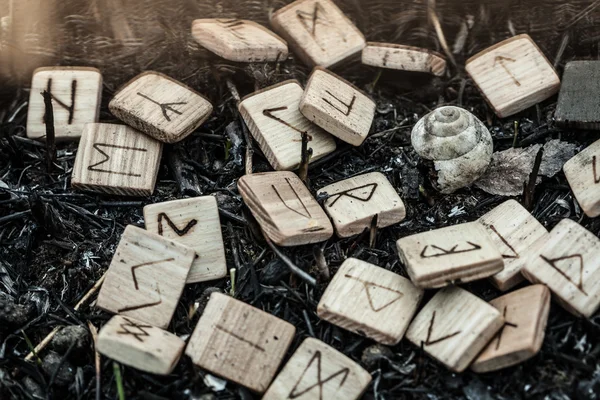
<point x="68" y="335"/>
<point x="65" y="375"/>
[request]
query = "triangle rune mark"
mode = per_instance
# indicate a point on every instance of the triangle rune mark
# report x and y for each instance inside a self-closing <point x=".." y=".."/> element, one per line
<point x="179" y="232"/>
<point x="371" y="288"/>
<point x="443" y="252"/>
<point x="512" y="249"/>
<point x="579" y="282"/>
<point x="596" y="174"/>
<point x="316" y="358"/>
<point x="304" y="211"/>
<point x="364" y="197"/>
<point x="429" y="341"/>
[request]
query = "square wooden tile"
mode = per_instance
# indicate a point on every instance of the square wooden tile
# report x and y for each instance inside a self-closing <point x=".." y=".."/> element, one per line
<point x="514" y="231"/>
<point x="337" y="106"/>
<point x="583" y="174"/>
<point x="285" y="209"/>
<point x="318" y="31"/>
<point x="139" y="345"/>
<point x="454" y="327"/>
<point x="577" y="105"/>
<point x="370" y="301"/>
<point x="352" y="203"/>
<point x="318" y="371"/>
<point x="194" y="223"/>
<point x="76" y="94"/>
<point x="116" y="159"/>
<point x="513" y="75"/>
<point x="146" y="277"/>
<point x="239" y="40"/>
<point x="239" y="342"/>
<point x="454" y="254"/>
<point x="525" y="314"/>
<point x="160" y="107"/>
<point x="569" y="264"/>
<point x="273" y="118"/>
<point x="404" y="58"/>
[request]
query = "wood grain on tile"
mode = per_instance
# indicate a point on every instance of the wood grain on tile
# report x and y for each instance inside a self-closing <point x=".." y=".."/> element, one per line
<point x="583" y="175"/>
<point x="404" y="58"/>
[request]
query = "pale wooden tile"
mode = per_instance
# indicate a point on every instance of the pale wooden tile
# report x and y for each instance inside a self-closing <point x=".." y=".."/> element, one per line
<point x="239" y="40"/>
<point x="273" y="118"/>
<point x="160" y="107"/>
<point x="116" y="159"/>
<point x="76" y="93"/>
<point x="337" y="106"/>
<point x="284" y="208"/>
<point x="318" y="31"/>
<point x="146" y="277"/>
<point x="514" y="231"/>
<point x="370" y="301"/>
<point x="513" y="75"/>
<point x="459" y="253"/>
<point x="525" y="313"/>
<point x="569" y="264"/>
<point x="318" y="371"/>
<point x="454" y="327"/>
<point x="194" y="223"/>
<point x="583" y="174"/>
<point x="352" y="203"/>
<point x="139" y="345"/>
<point x="404" y="58"/>
<point x="239" y="342"/>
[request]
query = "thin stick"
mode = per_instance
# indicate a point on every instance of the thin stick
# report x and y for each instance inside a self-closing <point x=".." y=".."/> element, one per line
<point x="50" y="133"/>
<point x="94" y="332"/>
<point x="304" y="158"/>
<point x="373" y="231"/>
<point x="516" y="134"/>
<point x="529" y="187"/>
<point x="293" y="268"/>
<point x="438" y="30"/>
<point x="90" y="292"/>
<point x="232" y="277"/>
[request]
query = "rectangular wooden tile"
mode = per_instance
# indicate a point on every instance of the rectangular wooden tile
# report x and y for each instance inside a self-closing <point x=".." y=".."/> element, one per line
<point x="139" y="345"/>
<point x="454" y="327"/>
<point x="239" y="40"/>
<point x="318" y="32"/>
<point x="459" y="253"/>
<point x="577" y="105"/>
<point x="513" y="75"/>
<point x="514" y="231"/>
<point x="370" y="301"/>
<point x="146" y="277"/>
<point x="160" y="107"/>
<point x="569" y="264"/>
<point x="285" y="209"/>
<point x="76" y="94"/>
<point x="273" y="118"/>
<point x="353" y="203"/>
<point x="116" y="159"/>
<point x="318" y="371"/>
<point x="525" y="314"/>
<point x="337" y="106"/>
<point x="404" y="58"/>
<point x="239" y="342"/>
<point x="194" y="223"/>
<point x="583" y="175"/>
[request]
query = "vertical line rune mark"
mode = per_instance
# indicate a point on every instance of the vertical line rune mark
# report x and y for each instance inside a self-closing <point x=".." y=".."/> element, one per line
<point x="596" y="177"/>
<point x="71" y="108"/>
<point x="241" y="339"/>
<point x="501" y="331"/>
<point x="516" y="255"/>
<point x="428" y="341"/>
<point x="165" y="107"/>
<point x="552" y="263"/>
<point x="500" y="60"/>
<point x="366" y="285"/>
<point x="97" y="146"/>
<point x="179" y="232"/>
<point x="307" y="213"/>
<point x="320" y="382"/>
<point x="348" y="106"/>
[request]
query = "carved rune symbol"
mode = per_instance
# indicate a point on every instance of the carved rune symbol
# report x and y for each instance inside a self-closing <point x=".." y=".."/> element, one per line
<point x="240" y="338"/>
<point x="269" y="113"/>
<point x="179" y="232"/>
<point x="356" y="193"/>
<point x="137" y="286"/>
<point x="138" y="331"/>
<point x="165" y="107"/>
<point x="304" y="211"/>
<point x="233" y="25"/>
<point x="515" y="254"/>
<point x="500" y="60"/>
<point x="443" y="252"/>
<point x="579" y="282"/>
<point x="429" y="341"/>
<point x="297" y="392"/>
<point x="97" y="146"/>
<point x="373" y="290"/>
<point x="348" y="106"/>
<point x="506" y="323"/>
<point x="596" y="175"/>
<point x="71" y="108"/>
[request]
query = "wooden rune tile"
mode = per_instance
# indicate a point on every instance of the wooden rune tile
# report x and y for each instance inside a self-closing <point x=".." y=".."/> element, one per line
<point x="284" y="208"/>
<point x="139" y="345"/>
<point x="525" y="314"/>
<point x="577" y="101"/>
<point x="459" y="253"/>
<point x="146" y="277"/>
<point x="273" y="118"/>
<point x="514" y="231"/>
<point x="239" y="40"/>
<point x="318" y="371"/>
<point x="583" y="175"/>
<point x="454" y="327"/>
<point x="370" y="301"/>
<point x="76" y="94"/>
<point x="404" y="58"/>
<point x="194" y="223"/>
<point x="353" y="203"/>
<point x="318" y="31"/>
<point x="513" y="75"/>
<point x="337" y="106"/>
<point x="239" y="342"/>
<point x="160" y="107"/>
<point x="569" y="264"/>
<point x="116" y="159"/>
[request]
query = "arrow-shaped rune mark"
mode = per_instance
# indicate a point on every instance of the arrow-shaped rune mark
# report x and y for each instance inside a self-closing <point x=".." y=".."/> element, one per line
<point x="500" y="60"/>
<point x="165" y="107"/>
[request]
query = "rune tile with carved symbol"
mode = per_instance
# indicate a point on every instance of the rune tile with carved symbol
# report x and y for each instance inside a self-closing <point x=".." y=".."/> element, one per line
<point x="583" y="175"/>
<point x="403" y="58"/>
<point x="370" y="301"/>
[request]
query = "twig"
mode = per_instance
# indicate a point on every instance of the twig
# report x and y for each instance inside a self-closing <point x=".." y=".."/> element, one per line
<point x="50" y="133"/>
<point x="31" y="349"/>
<point x="304" y="158"/>
<point x="516" y="134"/>
<point x="311" y="331"/>
<point x="249" y="147"/>
<point x="373" y="231"/>
<point x="94" y="332"/>
<point x="438" y="30"/>
<point x="232" y="277"/>
<point x="322" y="267"/>
<point x="529" y="187"/>
<point x="293" y="268"/>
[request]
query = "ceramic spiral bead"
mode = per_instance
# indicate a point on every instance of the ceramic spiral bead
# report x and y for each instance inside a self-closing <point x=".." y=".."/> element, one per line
<point x="458" y="143"/>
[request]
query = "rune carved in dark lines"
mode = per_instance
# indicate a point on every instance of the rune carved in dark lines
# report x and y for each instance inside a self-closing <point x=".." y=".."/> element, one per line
<point x="179" y="232"/>
<point x="501" y="331"/>
<point x="138" y="331"/>
<point x="165" y="107"/>
<point x="71" y="108"/>
<point x="97" y="146"/>
<point x="429" y="341"/>
<point x="304" y="212"/>
<point x="316" y="358"/>
<point x="515" y="255"/>
<point x="443" y="252"/>
<point x="369" y="285"/>
<point x="552" y="262"/>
